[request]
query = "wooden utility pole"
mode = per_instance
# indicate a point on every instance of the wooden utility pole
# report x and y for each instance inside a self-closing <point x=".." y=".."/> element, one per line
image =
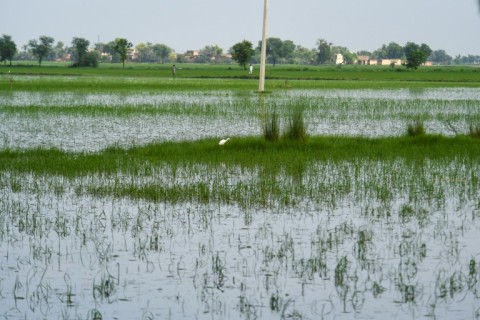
<point x="263" y="55"/>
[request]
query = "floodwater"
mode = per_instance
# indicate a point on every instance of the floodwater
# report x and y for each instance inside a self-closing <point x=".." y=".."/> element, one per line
<point x="153" y="117"/>
<point x="357" y="239"/>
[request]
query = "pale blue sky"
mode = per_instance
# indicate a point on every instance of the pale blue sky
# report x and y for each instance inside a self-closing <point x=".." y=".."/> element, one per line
<point x="452" y="25"/>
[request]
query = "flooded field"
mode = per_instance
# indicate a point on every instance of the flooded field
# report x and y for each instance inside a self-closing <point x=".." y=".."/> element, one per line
<point x="355" y="240"/>
<point x="335" y="239"/>
<point x="91" y="122"/>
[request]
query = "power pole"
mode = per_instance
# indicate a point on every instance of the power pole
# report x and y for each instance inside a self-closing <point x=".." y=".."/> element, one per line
<point x="263" y="55"/>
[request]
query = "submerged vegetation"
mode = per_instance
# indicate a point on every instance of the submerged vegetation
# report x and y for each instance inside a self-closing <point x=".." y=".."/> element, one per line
<point x="251" y="156"/>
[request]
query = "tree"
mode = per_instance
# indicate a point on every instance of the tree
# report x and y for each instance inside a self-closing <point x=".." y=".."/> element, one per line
<point x="145" y="52"/>
<point x="148" y="52"/>
<point x="242" y="52"/>
<point x="209" y="53"/>
<point x="121" y="47"/>
<point x="80" y="50"/>
<point x="348" y="57"/>
<point x="40" y="49"/>
<point x="274" y="49"/>
<point x="8" y="49"/>
<point x="394" y="51"/>
<point x="440" y="57"/>
<point x="324" y="55"/>
<point x="288" y="50"/>
<point x="302" y="55"/>
<point x="416" y="55"/>
<point x="391" y="51"/>
<point x="278" y="49"/>
<point x="107" y="49"/>
<point x="59" y="51"/>
<point x="162" y="51"/>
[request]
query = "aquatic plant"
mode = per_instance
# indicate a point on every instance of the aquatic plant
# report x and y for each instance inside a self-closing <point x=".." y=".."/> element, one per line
<point x="416" y="128"/>
<point x="271" y="127"/>
<point x="296" y="129"/>
<point x="474" y="130"/>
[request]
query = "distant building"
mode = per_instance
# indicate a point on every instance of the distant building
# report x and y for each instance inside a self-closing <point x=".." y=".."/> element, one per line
<point x="339" y="59"/>
<point x="132" y="54"/>
<point x="364" y="60"/>
<point x="192" y="53"/>
<point x="389" y="62"/>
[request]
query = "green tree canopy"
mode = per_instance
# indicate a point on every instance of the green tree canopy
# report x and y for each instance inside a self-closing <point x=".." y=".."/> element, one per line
<point x="148" y="52"/>
<point x="277" y="49"/>
<point x="242" y="52"/>
<point x="59" y="51"/>
<point x="80" y="50"/>
<point x="416" y="54"/>
<point x="108" y="49"/>
<point x="121" y="47"/>
<point x="162" y="51"/>
<point x="40" y="49"/>
<point x="324" y="55"/>
<point x="209" y="53"/>
<point x="303" y="55"/>
<point x="8" y="49"/>
<point x="391" y="51"/>
<point x="348" y="57"/>
<point x="440" y="57"/>
<point x="145" y="52"/>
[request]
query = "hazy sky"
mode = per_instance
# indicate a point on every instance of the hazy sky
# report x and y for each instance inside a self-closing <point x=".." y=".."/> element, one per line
<point x="452" y="25"/>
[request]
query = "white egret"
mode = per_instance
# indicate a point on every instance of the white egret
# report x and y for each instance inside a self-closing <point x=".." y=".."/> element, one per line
<point x="223" y="141"/>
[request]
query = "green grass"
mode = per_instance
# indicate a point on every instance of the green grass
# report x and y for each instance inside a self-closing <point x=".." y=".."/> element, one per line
<point x="252" y="173"/>
<point x="245" y="152"/>
<point x="155" y="77"/>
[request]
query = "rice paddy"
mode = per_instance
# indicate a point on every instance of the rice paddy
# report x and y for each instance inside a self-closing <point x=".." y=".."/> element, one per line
<point x="122" y="205"/>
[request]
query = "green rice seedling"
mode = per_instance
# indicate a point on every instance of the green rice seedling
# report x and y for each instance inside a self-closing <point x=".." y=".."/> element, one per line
<point x="69" y="299"/>
<point x="296" y="128"/>
<point x="416" y="128"/>
<point x="106" y="289"/>
<point x="94" y="314"/>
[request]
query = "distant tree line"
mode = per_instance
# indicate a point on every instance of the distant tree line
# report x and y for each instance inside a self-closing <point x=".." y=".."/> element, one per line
<point x="279" y="51"/>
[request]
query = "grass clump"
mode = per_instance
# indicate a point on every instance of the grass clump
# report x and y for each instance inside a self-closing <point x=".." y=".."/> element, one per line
<point x="474" y="131"/>
<point x="416" y="128"/>
<point x="296" y="129"/>
<point x="271" y="127"/>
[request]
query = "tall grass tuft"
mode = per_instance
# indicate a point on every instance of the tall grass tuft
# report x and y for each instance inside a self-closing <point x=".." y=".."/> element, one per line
<point x="474" y="131"/>
<point x="416" y="128"/>
<point x="296" y="129"/>
<point x="271" y="127"/>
